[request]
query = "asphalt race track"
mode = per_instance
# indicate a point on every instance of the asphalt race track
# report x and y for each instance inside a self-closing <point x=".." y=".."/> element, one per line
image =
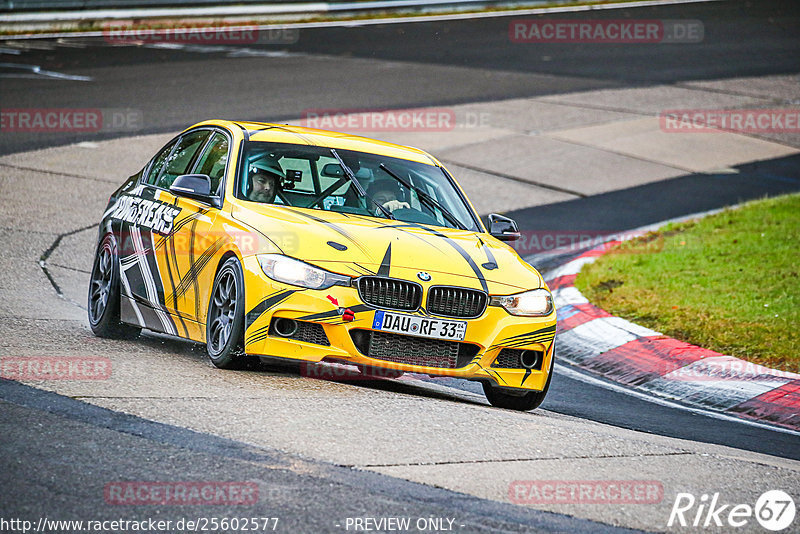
<point x="323" y="451"/>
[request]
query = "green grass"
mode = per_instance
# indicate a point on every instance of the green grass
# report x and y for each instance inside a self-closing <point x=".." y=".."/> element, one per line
<point x="729" y="282"/>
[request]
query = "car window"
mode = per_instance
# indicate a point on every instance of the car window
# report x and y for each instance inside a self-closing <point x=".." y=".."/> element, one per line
<point x="158" y="163"/>
<point x="405" y="190"/>
<point x="334" y="174"/>
<point x="178" y="162"/>
<point x="214" y="160"/>
<point x="306" y="183"/>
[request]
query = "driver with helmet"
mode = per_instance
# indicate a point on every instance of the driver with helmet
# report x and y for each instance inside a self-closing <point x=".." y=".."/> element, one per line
<point x="265" y="176"/>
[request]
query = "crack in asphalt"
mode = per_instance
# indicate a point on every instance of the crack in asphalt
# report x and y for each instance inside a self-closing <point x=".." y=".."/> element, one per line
<point x="25" y="230"/>
<point x="70" y="268"/>
<point x="319" y="473"/>
<point x="515" y="178"/>
<point x="56" y="173"/>
<point x="46" y="254"/>
<point x="623" y="154"/>
<point x="535" y="459"/>
<point x="691" y="86"/>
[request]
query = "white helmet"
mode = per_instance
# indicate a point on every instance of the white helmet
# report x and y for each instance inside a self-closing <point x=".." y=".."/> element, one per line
<point x="268" y="166"/>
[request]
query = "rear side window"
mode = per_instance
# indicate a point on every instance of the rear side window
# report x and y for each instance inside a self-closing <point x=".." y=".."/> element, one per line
<point x="158" y="163"/>
<point x="214" y="160"/>
<point x="181" y="158"/>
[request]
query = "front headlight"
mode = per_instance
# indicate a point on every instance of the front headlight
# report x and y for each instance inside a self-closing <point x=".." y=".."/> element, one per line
<point x="291" y="271"/>
<point x="535" y="303"/>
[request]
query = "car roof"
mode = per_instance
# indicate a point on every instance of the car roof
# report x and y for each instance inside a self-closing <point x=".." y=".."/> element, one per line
<point x="286" y="133"/>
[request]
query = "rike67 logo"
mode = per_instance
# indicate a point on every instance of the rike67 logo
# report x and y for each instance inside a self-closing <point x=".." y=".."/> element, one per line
<point x="774" y="510"/>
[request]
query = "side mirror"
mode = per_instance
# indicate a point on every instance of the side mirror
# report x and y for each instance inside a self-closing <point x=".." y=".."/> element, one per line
<point x="332" y="170"/>
<point x="503" y="228"/>
<point x="197" y="186"/>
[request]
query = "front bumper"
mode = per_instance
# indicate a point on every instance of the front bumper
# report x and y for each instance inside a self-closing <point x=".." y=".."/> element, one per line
<point x="486" y="336"/>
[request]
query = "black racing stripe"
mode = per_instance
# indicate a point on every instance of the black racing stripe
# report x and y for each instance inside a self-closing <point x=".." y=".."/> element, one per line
<point x="490" y="264"/>
<point x="267" y="303"/>
<point x="516" y="344"/>
<point x="180" y="224"/>
<point x="170" y="253"/>
<point x="525" y="377"/>
<point x="402" y="228"/>
<point x="364" y="269"/>
<point x="152" y="265"/>
<point x="149" y="316"/>
<point x="494" y="374"/>
<point x="133" y="273"/>
<point x="358" y="308"/>
<point x="527" y="342"/>
<point x="190" y="278"/>
<point x="174" y="255"/>
<point x="546" y="329"/>
<point x="193" y="271"/>
<point x="361" y="271"/>
<point x="147" y="193"/>
<point x="535" y="335"/>
<point x="463" y="253"/>
<point x="333" y="226"/>
<point x="261" y="330"/>
<point x="386" y="262"/>
<point x="171" y="247"/>
<point x="523" y="342"/>
<point x="452" y="243"/>
<point x="321" y="315"/>
<point x="255" y="338"/>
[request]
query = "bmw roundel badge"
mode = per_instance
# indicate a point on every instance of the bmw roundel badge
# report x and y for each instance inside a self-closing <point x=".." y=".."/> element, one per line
<point x="425" y="277"/>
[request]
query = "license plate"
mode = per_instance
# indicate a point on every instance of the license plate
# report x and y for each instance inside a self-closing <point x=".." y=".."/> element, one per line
<point x="415" y="325"/>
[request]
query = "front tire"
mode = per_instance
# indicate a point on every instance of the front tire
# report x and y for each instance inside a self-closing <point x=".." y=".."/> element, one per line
<point x="225" y="321"/>
<point x="521" y="402"/>
<point x="104" y="297"/>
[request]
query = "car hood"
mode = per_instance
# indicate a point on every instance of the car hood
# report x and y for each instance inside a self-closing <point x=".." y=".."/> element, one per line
<point x="356" y="245"/>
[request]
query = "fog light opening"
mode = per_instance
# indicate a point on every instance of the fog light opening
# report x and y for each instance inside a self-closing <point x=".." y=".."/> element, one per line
<point x="530" y="359"/>
<point x="285" y="327"/>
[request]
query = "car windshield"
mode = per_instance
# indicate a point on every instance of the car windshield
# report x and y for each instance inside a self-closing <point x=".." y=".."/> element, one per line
<point x="312" y="177"/>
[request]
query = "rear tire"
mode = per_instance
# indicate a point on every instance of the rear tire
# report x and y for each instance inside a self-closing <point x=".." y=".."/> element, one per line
<point x="104" y="297"/>
<point x="524" y="402"/>
<point x="225" y="320"/>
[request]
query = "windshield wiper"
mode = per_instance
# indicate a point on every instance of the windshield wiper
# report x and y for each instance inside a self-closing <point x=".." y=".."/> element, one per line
<point x="359" y="188"/>
<point x="426" y="198"/>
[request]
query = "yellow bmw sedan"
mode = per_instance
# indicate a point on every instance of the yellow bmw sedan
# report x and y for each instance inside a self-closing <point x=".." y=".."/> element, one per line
<point x="280" y="242"/>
